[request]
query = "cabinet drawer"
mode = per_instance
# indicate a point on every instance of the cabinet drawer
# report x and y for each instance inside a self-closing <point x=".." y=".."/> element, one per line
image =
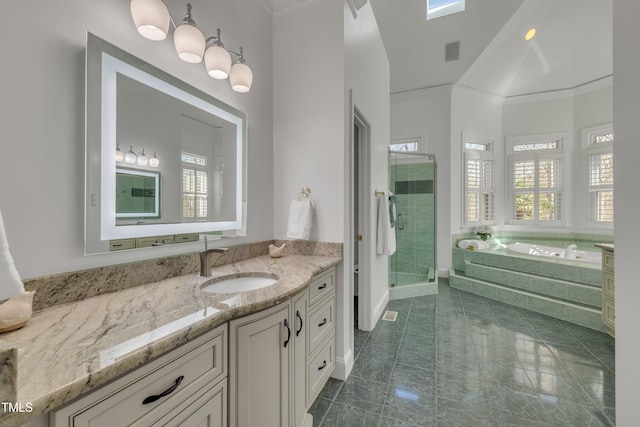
<point x="201" y="362"/>
<point x="608" y="284"/>
<point x="321" y="286"/>
<point x="182" y="238"/>
<point x="607" y="260"/>
<point x="321" y="323"/>
<point x="320" y="368"/>
<point x="122" y="244"/>
<point x="609" y="313"/>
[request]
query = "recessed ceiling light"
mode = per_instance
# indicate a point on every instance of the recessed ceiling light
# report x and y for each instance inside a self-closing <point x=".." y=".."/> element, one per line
<point x="530" y="34"/>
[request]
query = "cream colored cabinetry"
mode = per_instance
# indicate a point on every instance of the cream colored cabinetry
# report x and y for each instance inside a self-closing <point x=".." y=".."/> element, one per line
<point x="321" y="328"/>
<point x="259" y="361"/>
<point x="280" y="358"/>
<point x="608" y="291"/>
<point x="183" y="387"/>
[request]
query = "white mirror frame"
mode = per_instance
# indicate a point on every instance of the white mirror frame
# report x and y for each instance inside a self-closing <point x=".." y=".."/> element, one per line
<point x="101" y="208"/>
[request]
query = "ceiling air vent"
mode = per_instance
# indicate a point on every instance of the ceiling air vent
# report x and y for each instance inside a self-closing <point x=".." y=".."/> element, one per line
<point x="452" y="51"/>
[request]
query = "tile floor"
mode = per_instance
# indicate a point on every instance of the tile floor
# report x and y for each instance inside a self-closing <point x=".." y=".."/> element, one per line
<point x="458" y="359"/>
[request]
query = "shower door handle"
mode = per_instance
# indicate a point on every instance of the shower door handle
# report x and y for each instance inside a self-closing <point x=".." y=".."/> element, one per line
<point x="400" y="221"/>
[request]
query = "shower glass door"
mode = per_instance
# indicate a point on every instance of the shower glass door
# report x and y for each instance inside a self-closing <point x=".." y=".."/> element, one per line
<point x="412" y="179"/>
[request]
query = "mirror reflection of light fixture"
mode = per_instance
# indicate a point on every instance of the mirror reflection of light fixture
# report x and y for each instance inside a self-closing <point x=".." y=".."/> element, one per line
<point x="141" y="158"/>
<point x="119" y="153"/>
<point x="152" y="19"/>
<point x="154" y="162"/>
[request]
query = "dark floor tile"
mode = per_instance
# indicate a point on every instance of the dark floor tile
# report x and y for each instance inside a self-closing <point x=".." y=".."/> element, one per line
<point x="318" y="410"/>
<point x="471" y="410"/>
<point x="562" y="413"/>
<point x="410" y="405"/>
<point x="359" y="338"/>
<point x="331" y="389"/>
<point x="388" y="422"/>
<point x="461" y="385"/>
<point x="348" y="416"/>
<point x="363" y="394"/>
<point x="553" y="385"/>
<point x="513" y="407"/>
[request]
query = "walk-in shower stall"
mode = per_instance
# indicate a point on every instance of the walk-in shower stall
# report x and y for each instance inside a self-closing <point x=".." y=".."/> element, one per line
<point x="412" y="180"/>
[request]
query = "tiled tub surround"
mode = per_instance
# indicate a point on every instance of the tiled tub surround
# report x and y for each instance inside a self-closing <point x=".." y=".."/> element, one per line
<point x="64" y="349"/>
<point x="567" y="290"/>
<point x="584" y="241"/>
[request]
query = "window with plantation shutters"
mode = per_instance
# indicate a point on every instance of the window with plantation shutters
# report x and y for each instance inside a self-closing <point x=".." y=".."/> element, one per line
<point x="479" y="187"/>
<point x="194" y="187"/>
<point x="536" y="180"/>
<point x="599" y="143"/>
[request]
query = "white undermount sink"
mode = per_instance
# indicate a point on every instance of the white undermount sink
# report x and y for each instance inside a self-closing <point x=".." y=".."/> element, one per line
<point x="234" y="284"/>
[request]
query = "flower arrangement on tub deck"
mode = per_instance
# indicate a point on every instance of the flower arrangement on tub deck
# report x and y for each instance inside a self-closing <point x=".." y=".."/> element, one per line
<point x="484" y="231"/>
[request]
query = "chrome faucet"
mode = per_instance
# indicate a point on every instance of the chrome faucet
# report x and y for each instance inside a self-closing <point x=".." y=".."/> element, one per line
<point x="205" y="266"/>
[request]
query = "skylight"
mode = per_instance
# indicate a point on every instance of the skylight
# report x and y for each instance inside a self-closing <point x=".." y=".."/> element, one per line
<point x="439" y="8"/>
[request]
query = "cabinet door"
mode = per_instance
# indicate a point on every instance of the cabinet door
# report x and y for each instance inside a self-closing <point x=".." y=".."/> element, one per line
<point x="259" y="362"/>
<point x="299" y="412"/>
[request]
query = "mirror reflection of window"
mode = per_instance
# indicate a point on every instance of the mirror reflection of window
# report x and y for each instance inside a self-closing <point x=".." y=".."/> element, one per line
<point x="194" y="186"/>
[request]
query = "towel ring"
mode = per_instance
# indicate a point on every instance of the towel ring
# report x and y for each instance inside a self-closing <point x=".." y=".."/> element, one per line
<point x="304" y="192"/>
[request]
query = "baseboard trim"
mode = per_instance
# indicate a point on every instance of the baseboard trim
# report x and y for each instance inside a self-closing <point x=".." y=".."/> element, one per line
<point x="344" y="365"/>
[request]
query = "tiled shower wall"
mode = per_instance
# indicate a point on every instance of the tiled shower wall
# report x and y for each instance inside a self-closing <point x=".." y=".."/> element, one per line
<point x="414" y="187"/>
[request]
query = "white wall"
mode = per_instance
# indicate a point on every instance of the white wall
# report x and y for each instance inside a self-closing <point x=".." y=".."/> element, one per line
<point x="427" y="113"/>
<point x="367" y="86"/>
<point x="308" y="115"/>
<point x="626" y="111"/>
<point x="42" y="119"/>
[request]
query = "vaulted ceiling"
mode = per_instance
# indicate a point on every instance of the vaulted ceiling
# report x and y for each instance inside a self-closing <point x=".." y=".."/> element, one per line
<point x="573" y="45"/>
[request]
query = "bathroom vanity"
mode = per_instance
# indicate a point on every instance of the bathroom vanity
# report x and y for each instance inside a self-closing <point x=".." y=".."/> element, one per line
<point x="170" y="353"/>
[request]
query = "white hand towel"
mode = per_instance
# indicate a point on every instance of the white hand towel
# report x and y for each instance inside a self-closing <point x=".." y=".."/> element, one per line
<point x="385" y="236"/>
<point x="300" y="219"/>
<point x="10" y="283"/>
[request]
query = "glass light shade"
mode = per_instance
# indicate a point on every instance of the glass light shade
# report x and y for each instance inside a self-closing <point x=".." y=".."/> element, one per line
<point x="218" y="62"/>
<point x="190" y="43"/>
<point x="143" y="160"/>
<point x="154" y="162"/>
<point x="119" y="154"/>
<point x="240" y="77"/>
<point x="151" y="18"/>
<point x="530" y="34"/>
<point x="130" y="157"/>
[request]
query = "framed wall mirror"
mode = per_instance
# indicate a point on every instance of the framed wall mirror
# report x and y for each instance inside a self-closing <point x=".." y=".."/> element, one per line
<point x="162" y="158"/>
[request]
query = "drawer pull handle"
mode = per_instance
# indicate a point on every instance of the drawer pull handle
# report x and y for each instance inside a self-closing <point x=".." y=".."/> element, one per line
<point x="299" y="317"/>
<point x="286" y="324"/>
<point x="167" y="392"/>
<point x="324" y="322"/>
<point x="324" y="285"/>
<point x="324" y="365"/>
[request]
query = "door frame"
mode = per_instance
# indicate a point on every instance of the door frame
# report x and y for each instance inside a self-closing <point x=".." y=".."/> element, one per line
<point x="363" y="222"/>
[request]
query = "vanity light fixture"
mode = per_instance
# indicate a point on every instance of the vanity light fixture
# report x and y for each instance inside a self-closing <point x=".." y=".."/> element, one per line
<point x="152" y="19"/>
<point x="141" y="158"/>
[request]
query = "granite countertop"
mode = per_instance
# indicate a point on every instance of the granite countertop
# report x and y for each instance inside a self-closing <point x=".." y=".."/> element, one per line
<point x="70" y="349"/>
<point x="607" y="246"/>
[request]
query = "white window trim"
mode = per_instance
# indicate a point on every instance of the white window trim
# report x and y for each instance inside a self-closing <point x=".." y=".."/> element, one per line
<point x="487" y="155"/>
<point x="418" y="139"/>
<point x="536" y="155"/>
<point x="588" y="150"/>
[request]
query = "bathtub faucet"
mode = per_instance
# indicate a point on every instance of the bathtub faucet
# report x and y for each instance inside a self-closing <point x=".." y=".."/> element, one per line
<point x="569" y="252"/>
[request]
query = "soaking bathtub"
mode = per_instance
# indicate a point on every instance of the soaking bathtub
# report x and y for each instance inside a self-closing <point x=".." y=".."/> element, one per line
<point x="569" y="253"/>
